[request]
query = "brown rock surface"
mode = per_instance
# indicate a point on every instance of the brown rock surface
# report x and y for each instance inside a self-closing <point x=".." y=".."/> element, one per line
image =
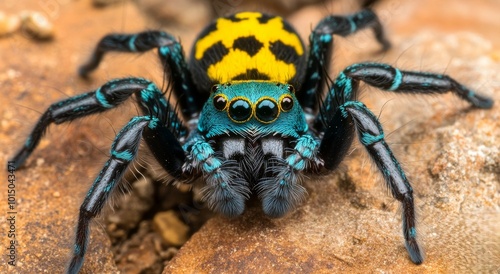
<point x="348" y="223"/>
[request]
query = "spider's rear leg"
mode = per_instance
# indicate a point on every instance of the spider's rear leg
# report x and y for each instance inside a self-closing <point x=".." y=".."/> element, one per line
<point x="321" y="47"/>
<point x="171" y="56"/>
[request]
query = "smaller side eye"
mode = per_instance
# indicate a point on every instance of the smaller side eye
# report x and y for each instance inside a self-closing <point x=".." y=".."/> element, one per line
<point x="220" y="102"/>
<point x="215" y="88"/>
<point x="291" y="89"/>
<point x="286" y="103"/>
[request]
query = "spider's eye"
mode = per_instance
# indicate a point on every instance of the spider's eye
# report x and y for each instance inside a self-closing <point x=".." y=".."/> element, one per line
<point x="266" y="111"/>
<point x="240" y="110"/>
<point x="215" y="88"/>
<point x="286" y="103"/>
<point x="220" y="102"/>
<point x="291" y="89"/>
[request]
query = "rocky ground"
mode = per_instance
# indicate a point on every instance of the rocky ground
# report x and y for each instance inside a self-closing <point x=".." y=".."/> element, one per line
<point x="349" y="222"/>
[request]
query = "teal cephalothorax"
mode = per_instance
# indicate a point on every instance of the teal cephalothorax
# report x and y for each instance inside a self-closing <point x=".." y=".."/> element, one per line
<point x="252" y="107"/>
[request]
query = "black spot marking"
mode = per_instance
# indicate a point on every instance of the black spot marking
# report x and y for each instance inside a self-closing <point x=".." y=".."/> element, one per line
<point x="251" y="74"/>
<point x="213" y="55"/>
<point x="283" y="52"/>
<point x="233" y="18"/>
<point x="265" y="18"/>
<point x="289" y="28"/>
<point x="248" y="44"/>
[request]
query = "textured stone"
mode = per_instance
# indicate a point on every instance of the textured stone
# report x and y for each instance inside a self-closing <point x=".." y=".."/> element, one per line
<point x="37" y="25"/>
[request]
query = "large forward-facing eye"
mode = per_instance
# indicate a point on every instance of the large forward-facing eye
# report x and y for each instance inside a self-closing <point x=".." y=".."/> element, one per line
<point x="266" y="110"/>
<point x="240" y="110"/>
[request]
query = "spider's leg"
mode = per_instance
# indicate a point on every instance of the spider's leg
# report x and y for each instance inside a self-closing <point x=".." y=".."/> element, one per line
<point x="163" y="139"/>
<point x="123" y="151"/>
<point x="321" y="47"/>
<point x="171" y="56"/>
<point x="281" y="189"/>
<point x="160" y="127"/>
<point x="340" y="114"/>
<point x="226" y="190"/>
<point x="106" y="97"/>
<point x="336" y="141"/>
<point x="371" y="135"/>
<point x="392" y="79"/>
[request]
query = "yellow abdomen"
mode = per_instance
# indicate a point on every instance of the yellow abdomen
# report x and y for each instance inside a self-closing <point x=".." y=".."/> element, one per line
<point x="248" y="46"/>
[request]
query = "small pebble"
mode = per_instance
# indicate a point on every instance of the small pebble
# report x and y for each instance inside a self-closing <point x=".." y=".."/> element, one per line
<point x="37" y="25"/>
<point x="8" y="24"/>
<point x="40" y="161"/>
<point x="172" y="230"/>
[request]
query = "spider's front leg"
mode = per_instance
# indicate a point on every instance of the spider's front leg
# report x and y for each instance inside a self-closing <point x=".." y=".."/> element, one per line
<point x="371" y="135"/>
<point x="123" y="151"/>
<point x="160" y="128"/>
<point x="281" y="190"/>
<point x="226" y="190"/>
<point x="354" y="115"/>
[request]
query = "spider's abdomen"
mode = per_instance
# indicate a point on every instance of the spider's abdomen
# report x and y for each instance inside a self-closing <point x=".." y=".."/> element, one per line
<point x="248" y="46"/>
